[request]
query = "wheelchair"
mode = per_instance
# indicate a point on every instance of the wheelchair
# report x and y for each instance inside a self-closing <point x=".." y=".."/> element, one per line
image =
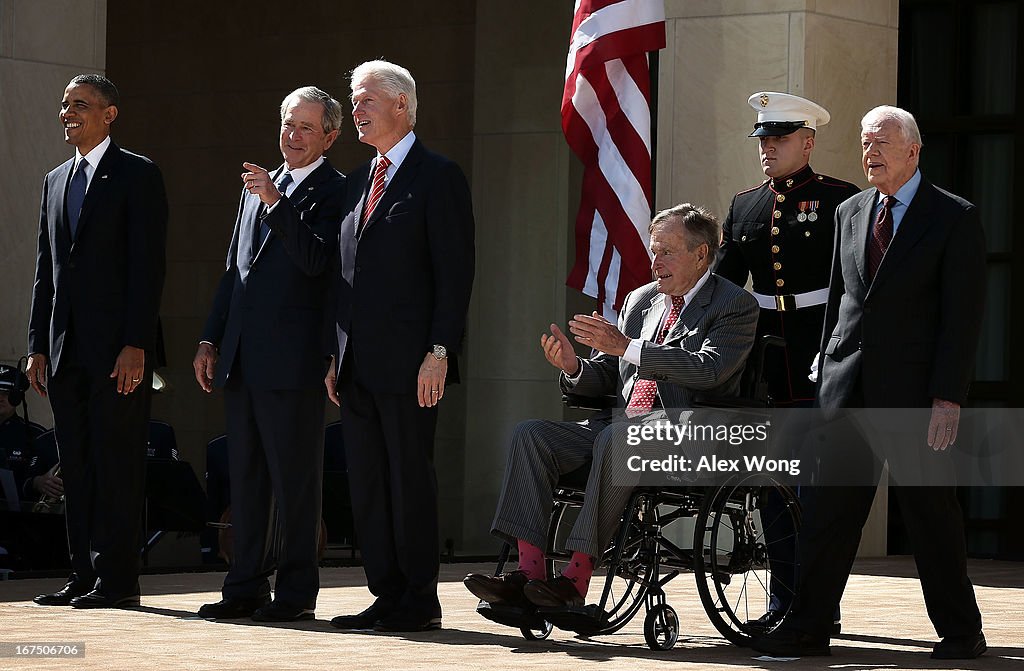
<point x="729" y="552"/>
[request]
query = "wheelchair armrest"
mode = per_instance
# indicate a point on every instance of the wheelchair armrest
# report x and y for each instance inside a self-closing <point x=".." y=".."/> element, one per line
<point x="579" y="402"/>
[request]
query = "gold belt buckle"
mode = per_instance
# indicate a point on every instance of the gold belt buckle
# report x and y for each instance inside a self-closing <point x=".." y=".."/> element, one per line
<point x="785" y="303"/>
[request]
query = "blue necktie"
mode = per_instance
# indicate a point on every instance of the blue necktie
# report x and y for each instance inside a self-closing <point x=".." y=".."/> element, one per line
<point x="76" y="196"/>
<point x="282" y="186"/>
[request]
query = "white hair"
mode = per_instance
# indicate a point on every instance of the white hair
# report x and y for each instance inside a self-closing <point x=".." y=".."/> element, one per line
<point x="394" y="79"/>
<point x="901" y="117"/>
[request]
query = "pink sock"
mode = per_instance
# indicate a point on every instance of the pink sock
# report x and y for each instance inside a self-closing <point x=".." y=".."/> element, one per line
<point x="531" y="561"/>
<point x="579" y="570"/>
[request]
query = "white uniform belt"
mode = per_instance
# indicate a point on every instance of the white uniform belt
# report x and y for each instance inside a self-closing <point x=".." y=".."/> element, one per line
<point x="792" y="301"/>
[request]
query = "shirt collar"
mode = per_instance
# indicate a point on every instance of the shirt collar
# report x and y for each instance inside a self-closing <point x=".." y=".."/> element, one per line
<point x="401" y="149"/>
<point x="688" y="296"/>
<point x="905" y="193"/>
<point x="94" y="156"/>
<point x="299" y="174"/>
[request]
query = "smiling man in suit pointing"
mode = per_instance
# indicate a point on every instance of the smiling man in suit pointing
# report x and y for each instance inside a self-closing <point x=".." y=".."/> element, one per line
<point x="265" y="342"/>
<point x="93" y="338"/>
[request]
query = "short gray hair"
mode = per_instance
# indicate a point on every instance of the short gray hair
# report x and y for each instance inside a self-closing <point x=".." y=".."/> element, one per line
<point x="700" y="227"/>
<point x="331" y="118"/>
<point x="901" y="117"/>
<point x="394" y="79"/>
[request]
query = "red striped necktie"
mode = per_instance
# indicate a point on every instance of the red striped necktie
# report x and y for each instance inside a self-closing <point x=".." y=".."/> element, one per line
<point x="642" y="398"/>
<point x="377" y="188"/>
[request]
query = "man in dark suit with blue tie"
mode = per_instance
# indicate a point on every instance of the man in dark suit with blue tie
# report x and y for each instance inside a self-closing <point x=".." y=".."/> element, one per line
<point x="266" y="343"/>
<point x="406" y="275"/>
<point x="93" y="339"/>
<point x="902" y="324"/>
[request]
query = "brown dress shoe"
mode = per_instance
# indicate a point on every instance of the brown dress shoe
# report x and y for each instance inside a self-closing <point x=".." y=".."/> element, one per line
<point x="557" y="592"/>
<point x="506" y="588"/>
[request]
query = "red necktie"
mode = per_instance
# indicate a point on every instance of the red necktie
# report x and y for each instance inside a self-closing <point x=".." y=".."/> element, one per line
<point x="377" y="188"/>
<point x="881" y="236"/>
<point x="642" y="398"/>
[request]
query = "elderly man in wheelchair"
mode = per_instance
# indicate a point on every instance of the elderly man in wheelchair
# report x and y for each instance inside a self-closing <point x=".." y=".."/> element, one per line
<point x="688" y="332"/>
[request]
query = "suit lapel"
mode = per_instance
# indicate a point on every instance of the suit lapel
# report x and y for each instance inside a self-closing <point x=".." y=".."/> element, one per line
<point x="56" y="206"/>
<point x="913" y="225"/>
<point x="393" y="190"/>
<point x="692" y="311"/>
<point x="99" y="184"/>
<point x="861" y="223"/>
<point x="652" y="318"/>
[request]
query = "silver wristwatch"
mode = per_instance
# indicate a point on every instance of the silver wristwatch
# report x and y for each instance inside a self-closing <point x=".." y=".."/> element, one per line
<point x="440" y="352"/>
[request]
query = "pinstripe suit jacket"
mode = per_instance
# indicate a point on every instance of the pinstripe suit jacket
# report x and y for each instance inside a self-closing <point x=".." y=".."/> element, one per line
<point x="704" y="351"/>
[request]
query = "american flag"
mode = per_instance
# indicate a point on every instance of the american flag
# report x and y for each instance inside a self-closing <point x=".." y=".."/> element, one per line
<point x="606" y="117"/>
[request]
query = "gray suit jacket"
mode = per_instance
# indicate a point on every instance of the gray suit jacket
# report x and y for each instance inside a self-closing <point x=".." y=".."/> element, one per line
<point x="704" y="351"/>
<point x="911" y="334"/>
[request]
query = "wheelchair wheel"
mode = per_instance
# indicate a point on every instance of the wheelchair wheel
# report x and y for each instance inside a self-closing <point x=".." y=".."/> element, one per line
<point x="536" y="634"/>
<point x="661" y="627"/>
<point x="732" y="562"/>
<point x="628" y="565"/>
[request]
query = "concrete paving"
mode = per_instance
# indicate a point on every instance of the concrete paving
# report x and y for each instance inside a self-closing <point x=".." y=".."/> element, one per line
<point x="884" y="627"/>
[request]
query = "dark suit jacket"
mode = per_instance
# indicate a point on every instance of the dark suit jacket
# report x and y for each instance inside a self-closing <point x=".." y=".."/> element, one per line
<point x="705" y="350"/>
<point x="405" y="283"/>
<point x="108" y="281"/>
<point x="270" y="308"/>
<point x="911" y="334"/>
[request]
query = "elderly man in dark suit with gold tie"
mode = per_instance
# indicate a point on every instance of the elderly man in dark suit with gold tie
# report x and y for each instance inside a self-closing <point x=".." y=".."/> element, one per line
<point x="902" y="324"/>
<point x="93" y="339"/>
<point x="266" y="343"/>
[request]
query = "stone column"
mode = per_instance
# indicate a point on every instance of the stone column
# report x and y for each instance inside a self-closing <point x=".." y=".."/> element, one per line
<point x="522" y="199"/>
<point x="42" y="46"/>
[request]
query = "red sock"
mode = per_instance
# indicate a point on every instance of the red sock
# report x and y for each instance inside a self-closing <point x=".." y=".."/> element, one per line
<point x="531" y="561"/>
<point x="579" y="570"/>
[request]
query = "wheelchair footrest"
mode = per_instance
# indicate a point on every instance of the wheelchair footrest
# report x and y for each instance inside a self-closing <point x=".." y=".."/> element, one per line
<point x="585" y="621"/>
<point x="512" y="616"/>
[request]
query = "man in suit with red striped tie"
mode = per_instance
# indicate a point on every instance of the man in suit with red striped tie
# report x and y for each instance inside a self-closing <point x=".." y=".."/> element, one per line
<point x="406" y="275"/>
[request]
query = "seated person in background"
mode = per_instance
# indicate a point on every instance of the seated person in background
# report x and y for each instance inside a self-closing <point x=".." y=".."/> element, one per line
<point x="43" y="478"/>
<point x="687" y="331"/>
<point x="16" y="434"/>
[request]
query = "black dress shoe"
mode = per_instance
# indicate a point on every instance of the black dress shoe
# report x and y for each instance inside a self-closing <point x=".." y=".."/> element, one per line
<point x="960" y="647"/>
<point x="765" y="623"/>
<point x="405" y="622"/>
<point x="64" y="595"/>
<point x="366" y="619"/>
<point x="792" y="643"/>
<point x="99" y="599"/>
<point x="506" y="588"/>
<point x="276" y="611"/>
<point x="557" y="592"/>
<point x="231" y="609"/>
